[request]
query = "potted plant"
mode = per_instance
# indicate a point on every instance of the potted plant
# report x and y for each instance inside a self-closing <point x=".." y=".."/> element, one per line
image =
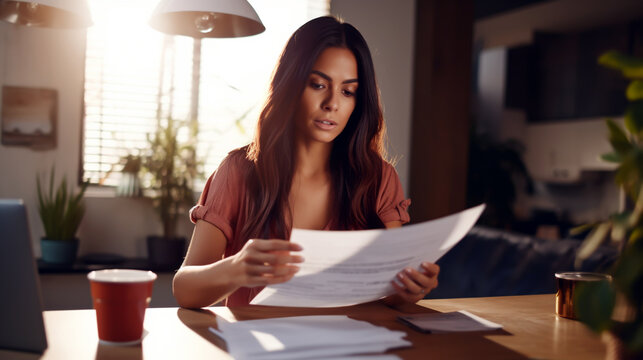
<point x="169" y="168"/>
<point x="129" y="184"/>
<point x="496" y="170"/>
<point x="61" y="211"/>
<point x="615" y="308"/>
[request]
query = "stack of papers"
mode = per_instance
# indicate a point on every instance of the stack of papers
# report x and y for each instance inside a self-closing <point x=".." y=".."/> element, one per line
<point x="305" y="337"/>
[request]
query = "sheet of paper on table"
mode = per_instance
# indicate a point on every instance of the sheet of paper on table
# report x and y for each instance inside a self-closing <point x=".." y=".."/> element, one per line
<point x="456" y="321"/>
<point x="344" y="268"/>
<point x="307" y="337"/>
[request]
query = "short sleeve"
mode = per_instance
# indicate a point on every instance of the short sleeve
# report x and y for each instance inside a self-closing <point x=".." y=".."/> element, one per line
<point x="391" y="204"/>
<point x="221" y="198"/>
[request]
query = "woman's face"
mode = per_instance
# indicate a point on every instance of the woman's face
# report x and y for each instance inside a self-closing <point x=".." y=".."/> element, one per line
<point x="328" y="99"/>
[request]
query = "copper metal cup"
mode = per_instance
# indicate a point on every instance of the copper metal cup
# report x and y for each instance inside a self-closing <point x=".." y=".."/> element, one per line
<point x="567" y="283"/>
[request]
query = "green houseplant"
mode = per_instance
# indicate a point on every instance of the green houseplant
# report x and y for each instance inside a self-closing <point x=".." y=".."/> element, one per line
<point x="169" y="169"/>
<point x="61" y="211"/>
<point x="615" y="307"/>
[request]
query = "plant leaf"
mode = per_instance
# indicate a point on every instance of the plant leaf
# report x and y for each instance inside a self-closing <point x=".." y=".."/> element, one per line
<point x="628" y="274"/>
<point x="619" y="231"/>
<point x="594" y="304"/>
<point x="581" y="229"/>
<point x="627" y="174"/>
<point x="631" y="67"/>
<point x="636" y="342"/>
<point x="51" y="184"/>
<point x="634" y="90"/>
<point x="617" y="138"/>
<point x="635" y="217"/>
<point x="612" y="157"/>
<point x="591" y="243"/>
<point x="60" y="208"/>
<point x="41" y="200"/>
<point x="634" y="117"/>
<point x="635" y="236"/>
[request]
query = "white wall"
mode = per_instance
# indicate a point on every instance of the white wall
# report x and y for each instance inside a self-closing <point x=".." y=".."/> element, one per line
<point x="45" y="58"/>
<point x="52" y="58"/>
<point x="389" y="28"/>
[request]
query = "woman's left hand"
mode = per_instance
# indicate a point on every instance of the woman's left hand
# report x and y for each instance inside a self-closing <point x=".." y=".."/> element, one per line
<point x="412" y="285"/>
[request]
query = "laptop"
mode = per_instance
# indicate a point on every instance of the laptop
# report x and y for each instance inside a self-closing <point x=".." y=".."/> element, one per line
<point x="22" y="327"/>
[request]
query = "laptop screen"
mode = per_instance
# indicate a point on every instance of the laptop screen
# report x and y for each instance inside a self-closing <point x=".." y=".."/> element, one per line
<point x="22" y="327"/>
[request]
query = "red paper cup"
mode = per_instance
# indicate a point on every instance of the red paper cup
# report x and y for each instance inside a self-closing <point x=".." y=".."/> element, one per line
<point x="120" y="298"/>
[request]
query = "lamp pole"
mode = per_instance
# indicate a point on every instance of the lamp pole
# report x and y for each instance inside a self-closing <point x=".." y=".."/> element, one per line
<point x="196" y="75"/>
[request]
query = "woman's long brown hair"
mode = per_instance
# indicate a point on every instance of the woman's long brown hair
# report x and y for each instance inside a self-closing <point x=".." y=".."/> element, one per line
<point x="356" y="156"/>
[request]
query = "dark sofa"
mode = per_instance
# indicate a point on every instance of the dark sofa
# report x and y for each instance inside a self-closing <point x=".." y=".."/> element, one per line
<point x="491" y="262"/>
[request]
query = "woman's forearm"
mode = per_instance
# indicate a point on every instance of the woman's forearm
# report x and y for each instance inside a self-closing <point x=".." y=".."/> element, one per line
<point x="197" y="286"/>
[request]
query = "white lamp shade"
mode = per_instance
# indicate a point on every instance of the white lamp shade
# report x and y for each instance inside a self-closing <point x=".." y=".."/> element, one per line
<point x="46" y="13"/>
<point x="206" y="18"/>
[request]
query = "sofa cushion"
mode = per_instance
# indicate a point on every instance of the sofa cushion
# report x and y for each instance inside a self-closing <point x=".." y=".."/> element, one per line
<point x="492" y="262"/>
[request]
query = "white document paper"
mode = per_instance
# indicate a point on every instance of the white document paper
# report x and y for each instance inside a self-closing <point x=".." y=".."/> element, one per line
<point x="344" y="268"/>
<point x="306" y="337"/>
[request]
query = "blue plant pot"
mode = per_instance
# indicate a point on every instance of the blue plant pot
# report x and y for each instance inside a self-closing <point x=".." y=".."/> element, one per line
<point x="59" y="252"/>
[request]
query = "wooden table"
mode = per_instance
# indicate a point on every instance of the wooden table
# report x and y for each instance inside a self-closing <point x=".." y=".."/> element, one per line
<point x="531" y="327"/>
<point x="531" y="330"/>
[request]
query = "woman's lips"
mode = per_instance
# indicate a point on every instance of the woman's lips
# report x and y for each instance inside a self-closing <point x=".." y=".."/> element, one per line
<point x="325" y="124"/>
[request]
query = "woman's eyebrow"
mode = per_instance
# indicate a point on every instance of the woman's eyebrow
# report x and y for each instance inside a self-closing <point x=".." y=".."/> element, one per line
<point x="328" y="78"/>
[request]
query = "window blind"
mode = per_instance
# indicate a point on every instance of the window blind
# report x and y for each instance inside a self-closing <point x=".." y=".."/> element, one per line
<point x="135" y="76"/>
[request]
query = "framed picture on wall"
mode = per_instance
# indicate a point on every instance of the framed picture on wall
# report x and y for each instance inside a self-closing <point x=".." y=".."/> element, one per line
<point x="29" y="117"/>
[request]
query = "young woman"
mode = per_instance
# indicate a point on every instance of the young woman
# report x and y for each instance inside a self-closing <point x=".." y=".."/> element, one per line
<point x="315" y="163"/>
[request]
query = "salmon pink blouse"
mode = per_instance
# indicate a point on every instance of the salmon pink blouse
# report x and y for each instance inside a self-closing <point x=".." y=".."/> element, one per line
<point x="222" y="204"/>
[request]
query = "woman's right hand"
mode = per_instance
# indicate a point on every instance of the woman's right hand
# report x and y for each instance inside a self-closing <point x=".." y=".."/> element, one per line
<point x="265" y="262"/>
